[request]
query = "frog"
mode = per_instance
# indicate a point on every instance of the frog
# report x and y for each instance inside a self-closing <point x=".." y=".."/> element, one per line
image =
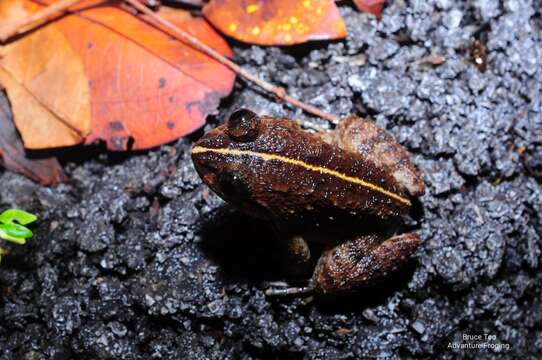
<point x="345" y="192"/>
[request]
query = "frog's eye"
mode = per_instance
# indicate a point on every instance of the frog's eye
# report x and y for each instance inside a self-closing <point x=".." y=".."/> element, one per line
<point x="243" y="125"/>
<point x="233" y="185"/>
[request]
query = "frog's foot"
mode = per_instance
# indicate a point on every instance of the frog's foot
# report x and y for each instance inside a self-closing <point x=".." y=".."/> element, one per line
<point x="361" y="262"/>
<point x="364" y="137"/>
<point x="283" y="289"/>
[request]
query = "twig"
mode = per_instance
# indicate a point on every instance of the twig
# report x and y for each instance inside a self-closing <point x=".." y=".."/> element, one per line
<point x="279" y="92"/>
<point x="19" y="26"/>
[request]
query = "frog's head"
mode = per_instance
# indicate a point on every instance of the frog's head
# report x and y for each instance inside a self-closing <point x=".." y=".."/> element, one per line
<point x="216" y="159"/>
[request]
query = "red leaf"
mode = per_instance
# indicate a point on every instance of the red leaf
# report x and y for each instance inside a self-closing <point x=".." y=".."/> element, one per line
<point x="152" y="88"/>
<point x="371" y="6"/>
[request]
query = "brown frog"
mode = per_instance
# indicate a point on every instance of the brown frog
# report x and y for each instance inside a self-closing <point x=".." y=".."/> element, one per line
<point x="346" y="189"/>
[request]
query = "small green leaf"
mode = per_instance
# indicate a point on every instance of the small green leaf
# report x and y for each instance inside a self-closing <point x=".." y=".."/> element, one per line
<point x="4" y="235"/>
<point x="16" y="230"/>
<point x="21" y="216"/>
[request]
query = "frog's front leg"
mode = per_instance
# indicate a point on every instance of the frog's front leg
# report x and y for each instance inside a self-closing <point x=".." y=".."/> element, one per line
<point x="297" y="255"/>
<point x="360" y="262"/>
<point x="297" y="262"/>
<point x="294" y="249"/>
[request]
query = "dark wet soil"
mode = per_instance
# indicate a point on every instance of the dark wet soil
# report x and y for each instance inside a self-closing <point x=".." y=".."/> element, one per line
<point x="134" y="258"/>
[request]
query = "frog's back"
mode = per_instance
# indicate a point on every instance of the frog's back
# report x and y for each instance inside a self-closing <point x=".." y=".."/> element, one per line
<point x="300" y="174"/>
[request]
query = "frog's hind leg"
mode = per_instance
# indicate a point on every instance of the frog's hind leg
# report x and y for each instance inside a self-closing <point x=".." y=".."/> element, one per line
<point x="361" y="262"/>
<point x="364" y="137"/>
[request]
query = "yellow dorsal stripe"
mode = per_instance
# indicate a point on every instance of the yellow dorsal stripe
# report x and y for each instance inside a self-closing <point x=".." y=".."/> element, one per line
<point x="318" y="169"/>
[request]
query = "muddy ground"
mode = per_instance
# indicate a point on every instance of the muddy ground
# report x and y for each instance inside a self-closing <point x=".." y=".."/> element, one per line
<point x="133" y="258"/>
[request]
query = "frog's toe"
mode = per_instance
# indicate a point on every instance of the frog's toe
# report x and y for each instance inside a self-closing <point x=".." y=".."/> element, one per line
<point x="361" y="262"/>
<point x="290" y="291"/>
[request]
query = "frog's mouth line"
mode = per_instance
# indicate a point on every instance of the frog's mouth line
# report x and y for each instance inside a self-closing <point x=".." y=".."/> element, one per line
<point x="318" y="169"/>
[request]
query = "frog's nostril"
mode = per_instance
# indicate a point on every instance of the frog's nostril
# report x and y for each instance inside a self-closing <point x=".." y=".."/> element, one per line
<point x="243" y="125"/>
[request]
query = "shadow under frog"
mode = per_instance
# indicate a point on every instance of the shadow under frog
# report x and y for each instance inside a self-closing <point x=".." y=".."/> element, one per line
<point x="254" y="256"/>
<point x="344" y="192"/>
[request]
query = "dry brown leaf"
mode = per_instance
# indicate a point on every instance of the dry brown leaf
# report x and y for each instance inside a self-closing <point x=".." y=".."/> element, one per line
<point x="13" y="157"/>
<point x="47" y="86"/>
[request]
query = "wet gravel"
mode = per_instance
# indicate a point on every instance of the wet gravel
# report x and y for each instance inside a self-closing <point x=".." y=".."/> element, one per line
<point x="134" y="258"/>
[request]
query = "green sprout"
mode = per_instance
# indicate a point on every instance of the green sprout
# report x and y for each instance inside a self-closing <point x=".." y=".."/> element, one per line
<point x="12" y="227"/>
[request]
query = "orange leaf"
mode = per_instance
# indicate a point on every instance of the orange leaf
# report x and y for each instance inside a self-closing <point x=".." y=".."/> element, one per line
<point x="371" y="6"/>
<point x="152" y="88"/>
<point x="276" y="22"/>
<point x="145" y="87"/>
